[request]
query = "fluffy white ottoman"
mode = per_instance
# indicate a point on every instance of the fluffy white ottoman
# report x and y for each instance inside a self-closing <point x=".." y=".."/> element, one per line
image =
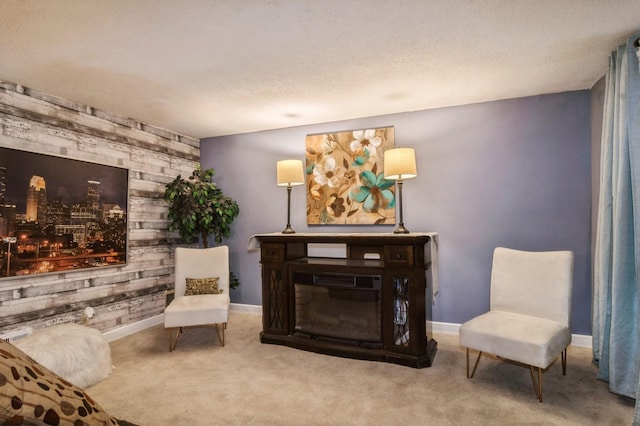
<point x="79" y="354"/>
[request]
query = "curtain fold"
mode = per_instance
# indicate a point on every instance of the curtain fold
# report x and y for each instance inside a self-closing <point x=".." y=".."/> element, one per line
<point x="616" y="301"/>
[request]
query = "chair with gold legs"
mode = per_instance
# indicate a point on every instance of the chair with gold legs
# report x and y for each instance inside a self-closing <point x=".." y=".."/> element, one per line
<point x="530" y="309"/>
<point x="201" y="297"/>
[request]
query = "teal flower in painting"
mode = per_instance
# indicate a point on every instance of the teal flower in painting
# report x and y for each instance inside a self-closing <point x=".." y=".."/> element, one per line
<point x="374" y="192"/>
<point x="360" y="160"/>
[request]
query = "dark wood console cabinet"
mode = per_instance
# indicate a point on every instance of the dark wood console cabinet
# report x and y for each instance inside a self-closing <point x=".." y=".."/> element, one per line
<point x="400" y="300"/>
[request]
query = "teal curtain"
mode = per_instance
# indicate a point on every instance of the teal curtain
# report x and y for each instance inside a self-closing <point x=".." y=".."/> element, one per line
<point x="616" y="301"/>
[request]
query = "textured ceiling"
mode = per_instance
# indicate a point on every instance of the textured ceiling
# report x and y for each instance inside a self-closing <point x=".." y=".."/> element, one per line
<point x="217" y="67"/>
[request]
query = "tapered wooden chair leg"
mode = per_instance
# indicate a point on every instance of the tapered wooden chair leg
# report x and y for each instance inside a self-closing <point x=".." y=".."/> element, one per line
<point x="475" y="366"/>
<point x="174" y="341"/>
<point x="537" y="385"/>
<point x="221" y="334"/>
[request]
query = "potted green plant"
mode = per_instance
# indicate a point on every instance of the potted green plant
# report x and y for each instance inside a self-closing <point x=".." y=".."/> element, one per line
<point x="199" y="209"/>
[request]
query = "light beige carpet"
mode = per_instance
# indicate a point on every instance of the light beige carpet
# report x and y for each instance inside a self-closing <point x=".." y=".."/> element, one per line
<point x="249" y="383"/>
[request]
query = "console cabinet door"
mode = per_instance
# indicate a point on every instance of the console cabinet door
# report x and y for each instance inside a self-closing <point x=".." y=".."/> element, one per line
<point x="275" y="296"/>
<point x="404" y="312"/>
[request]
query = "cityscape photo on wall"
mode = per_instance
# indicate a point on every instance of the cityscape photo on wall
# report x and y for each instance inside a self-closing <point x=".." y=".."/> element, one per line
<point x="58" y="214"/>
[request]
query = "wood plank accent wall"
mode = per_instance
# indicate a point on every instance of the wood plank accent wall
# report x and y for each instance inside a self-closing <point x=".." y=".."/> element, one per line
<point x="38" y="122"/>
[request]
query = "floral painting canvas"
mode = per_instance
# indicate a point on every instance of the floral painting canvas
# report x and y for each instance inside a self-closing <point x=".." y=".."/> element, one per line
<point x="345" y="180"/>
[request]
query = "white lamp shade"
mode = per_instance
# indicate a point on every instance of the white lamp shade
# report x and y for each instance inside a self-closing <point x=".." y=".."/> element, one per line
<point x="290" y="173"/>
<point x="400" y="163"/>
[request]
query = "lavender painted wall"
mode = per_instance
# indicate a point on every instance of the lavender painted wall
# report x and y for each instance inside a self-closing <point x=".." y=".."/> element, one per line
<point x="512" y="173"/>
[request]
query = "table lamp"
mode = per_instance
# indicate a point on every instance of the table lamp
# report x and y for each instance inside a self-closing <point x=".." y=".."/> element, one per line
<point x="400" y="164"/>
<point x="289" y="173"/>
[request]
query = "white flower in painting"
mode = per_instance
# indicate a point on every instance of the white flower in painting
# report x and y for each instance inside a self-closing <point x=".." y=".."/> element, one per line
<point x="327" y="173"/>
<point x="365" y="140"/>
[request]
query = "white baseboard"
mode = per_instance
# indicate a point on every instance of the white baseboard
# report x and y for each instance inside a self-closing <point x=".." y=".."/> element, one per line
<point x="578" y="340"/>
<point x="445" y="327"/>
<point x="134" y="327"/>
<point x="581" y="341"/>
<point x="247" y="309"/>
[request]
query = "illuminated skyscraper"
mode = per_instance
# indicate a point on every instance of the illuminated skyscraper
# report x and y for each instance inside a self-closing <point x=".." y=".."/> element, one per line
<point x="7" y="222"/>
<point x="37" y="200"/>
<point x="93" y="194"/>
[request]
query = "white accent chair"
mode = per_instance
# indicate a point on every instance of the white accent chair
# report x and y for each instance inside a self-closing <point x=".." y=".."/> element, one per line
<point x="202" y="309"/>
<point x="530" y="309"/>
